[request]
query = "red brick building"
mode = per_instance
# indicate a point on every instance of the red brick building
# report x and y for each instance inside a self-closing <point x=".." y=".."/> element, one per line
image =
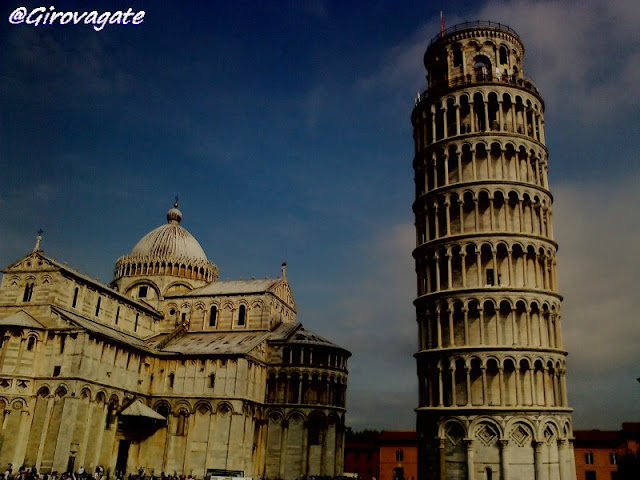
<point x="362" y="457"/>
<point x="398" y="455"/>
<point x="598" y="452"/>
<point x="393" y="455"/>
<point x="388" y="455"/>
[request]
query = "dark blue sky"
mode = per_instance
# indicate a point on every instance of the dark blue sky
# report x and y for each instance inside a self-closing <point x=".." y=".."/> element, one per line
<point x="284" y="127"/>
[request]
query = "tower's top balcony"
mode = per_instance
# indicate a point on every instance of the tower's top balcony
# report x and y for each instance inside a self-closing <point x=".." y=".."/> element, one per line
<point x="475" y="52"/>
<point x="437" y="88"/>
<point x="465" y="27"/>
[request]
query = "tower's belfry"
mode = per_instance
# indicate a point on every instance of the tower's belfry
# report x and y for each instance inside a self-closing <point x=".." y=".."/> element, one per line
<point x="491" y="364"/>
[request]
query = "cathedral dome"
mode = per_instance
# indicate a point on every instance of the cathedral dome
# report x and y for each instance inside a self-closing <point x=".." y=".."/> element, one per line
<point x="170" y="241"/>
<point x="169" y="250"/>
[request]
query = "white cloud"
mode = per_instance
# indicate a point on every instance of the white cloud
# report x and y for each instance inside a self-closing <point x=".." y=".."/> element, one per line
<point x="598" y="230"/>
<point x="378" y="326"/>
<point x="582" y="54"/>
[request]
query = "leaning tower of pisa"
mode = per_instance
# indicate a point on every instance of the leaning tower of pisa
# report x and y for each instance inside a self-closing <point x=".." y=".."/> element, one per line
<point x="491" y="363"/>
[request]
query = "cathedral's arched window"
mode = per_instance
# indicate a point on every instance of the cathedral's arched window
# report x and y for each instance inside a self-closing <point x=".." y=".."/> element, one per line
<point x="242" y="316"/>
<point x="212" y="380"/>
<point x="213" y="316"/>
<point x="28" y="292"/>
<point x="181" y="427"/>
<point x="75" y="297"/>
<point x="172" y="378"/>
<point x="163" y="410"/>
<point x="111" y="415"/>
<point x="489" y="473"/>
<point x="31" y="343"/>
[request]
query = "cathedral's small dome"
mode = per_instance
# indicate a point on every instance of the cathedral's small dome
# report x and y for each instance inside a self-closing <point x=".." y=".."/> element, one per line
<point x="170" y="241"/>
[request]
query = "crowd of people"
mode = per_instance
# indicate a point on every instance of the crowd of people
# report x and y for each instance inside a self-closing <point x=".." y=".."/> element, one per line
<point x="31" y="473"/>
<point x="26" y="473"/>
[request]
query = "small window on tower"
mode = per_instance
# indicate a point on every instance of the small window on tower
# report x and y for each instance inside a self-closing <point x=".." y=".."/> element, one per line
<point x="143" y="291"/>
<point x="457" y="56"/>
<point x="212" y="380"/>
<point x="504" y="56"/>
<point x="56" y="371"/>
<point x="490" y="277"/>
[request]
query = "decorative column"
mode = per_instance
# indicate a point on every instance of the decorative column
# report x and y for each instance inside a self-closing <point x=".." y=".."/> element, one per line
<point x="45" y="429"/>
<point x="442" y="464"/>
<point x="537" y="453"/>
<point x="470" y="460"/>
<point x="504" y="459"/>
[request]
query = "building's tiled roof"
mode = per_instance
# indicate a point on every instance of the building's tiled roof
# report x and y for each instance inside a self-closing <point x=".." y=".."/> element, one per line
<point x="212" y="343"/>
<point x="398" y="436"/>
<point x="607" y="437"/>
<point x="295" y="333"/>
<point x="139" y="409"/>
<point x="21" y="319"/>
<point x="233" y="287"/>
<point x="596" y="436"/>
<point x="101" y="329"/>
<point x="190" y="343"/>
<point x="631" y="427"/>
<point x="238" y="342"/>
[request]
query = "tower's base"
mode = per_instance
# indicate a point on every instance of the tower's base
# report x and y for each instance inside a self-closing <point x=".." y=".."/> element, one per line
<point x="536" y="445"/>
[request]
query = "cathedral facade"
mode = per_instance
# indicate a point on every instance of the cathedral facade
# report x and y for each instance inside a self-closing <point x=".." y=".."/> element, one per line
<point x="166" y="369"/>
<point x="491" y="362"/>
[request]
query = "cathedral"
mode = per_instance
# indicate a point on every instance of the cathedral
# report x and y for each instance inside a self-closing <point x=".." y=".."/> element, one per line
<point x="166" y="369"/>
